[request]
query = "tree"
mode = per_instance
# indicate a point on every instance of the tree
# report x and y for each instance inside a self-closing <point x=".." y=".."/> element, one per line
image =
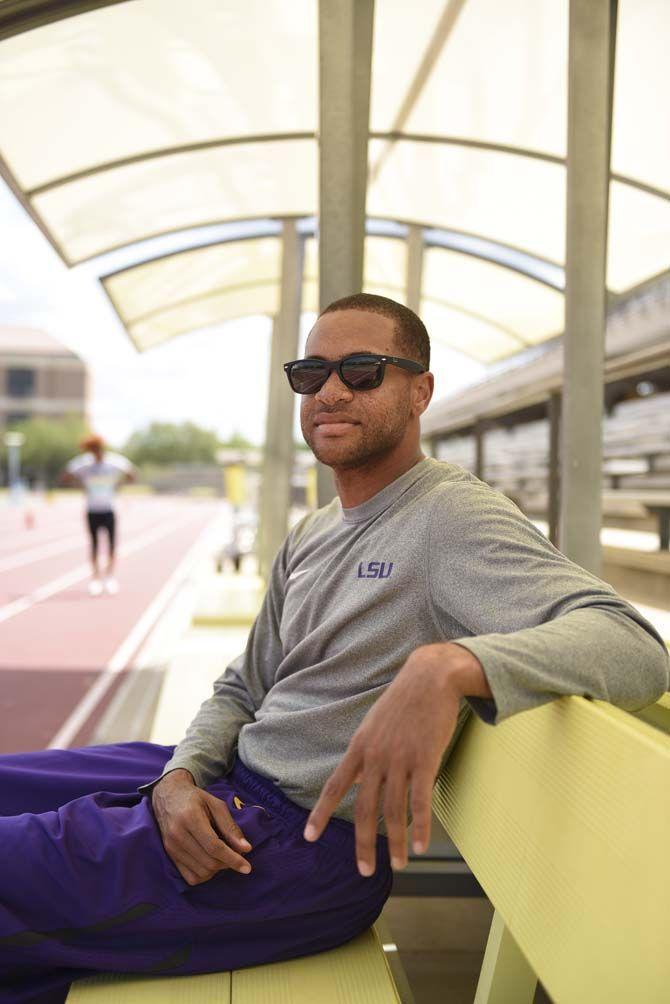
<point x="238" y="442"/>
<point x="47" y="446"/>
<point x="164" y="443"/>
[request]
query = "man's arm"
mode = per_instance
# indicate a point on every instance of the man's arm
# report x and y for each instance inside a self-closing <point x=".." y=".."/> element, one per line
<point x="207" y="750"/>
<point x="198" y="832"/>
<point x="533" y="627"/>
<point x="540" y="625"/>
<point x="395" y="753"/>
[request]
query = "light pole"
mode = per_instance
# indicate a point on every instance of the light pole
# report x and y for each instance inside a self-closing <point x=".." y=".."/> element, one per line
<point x="14" y="441"/>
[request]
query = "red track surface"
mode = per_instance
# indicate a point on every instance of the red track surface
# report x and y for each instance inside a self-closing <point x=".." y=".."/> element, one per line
<point x="52" y="652"/>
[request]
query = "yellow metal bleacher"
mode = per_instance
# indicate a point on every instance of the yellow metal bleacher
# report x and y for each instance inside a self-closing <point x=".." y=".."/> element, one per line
<point x="562" y="814"/>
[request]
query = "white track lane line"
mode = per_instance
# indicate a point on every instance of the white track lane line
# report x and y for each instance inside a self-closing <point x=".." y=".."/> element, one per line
<point x="48" y="550"/>
<point x="83" y="571"/>
<point x="82" y="712"/>
<point x="49" y="540"/>
<point x="40" y="552"/>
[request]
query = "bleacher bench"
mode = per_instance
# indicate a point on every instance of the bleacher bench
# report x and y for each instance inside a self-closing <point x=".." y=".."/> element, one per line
<point x="356" y="972"/>
<point x="563" y="815"/>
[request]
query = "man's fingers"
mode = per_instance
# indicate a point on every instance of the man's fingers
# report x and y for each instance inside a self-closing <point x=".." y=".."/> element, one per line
<point x="226" y="826"/>
<point x="197" y="873"/>
<point x="187" y="874"/>
<point x="332" y="793"/>
<point x="184" y="849"/>
<point x="421" y="802"/>
<point x="395" y="817"/>
<point x="212" y="847"/>
<point x="186" y="844"/>
<point x="366" y="812"/>
<point x="201" y="830"/>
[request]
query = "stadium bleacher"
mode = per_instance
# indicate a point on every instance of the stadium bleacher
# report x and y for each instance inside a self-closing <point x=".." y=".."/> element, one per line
<point x="636" y="458"/>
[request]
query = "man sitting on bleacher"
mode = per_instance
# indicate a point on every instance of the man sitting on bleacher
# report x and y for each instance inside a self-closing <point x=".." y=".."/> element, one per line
<point x="269" y="831"/>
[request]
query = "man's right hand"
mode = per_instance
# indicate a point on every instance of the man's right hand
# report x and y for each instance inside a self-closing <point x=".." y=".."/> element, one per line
<point x="199" y="834"/>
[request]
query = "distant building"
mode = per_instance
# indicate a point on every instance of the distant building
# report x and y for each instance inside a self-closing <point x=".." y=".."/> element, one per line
<point x="39" y="377"/>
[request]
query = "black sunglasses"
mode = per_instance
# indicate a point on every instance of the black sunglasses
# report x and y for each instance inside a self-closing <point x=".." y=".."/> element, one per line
<point x="362" y="371"/>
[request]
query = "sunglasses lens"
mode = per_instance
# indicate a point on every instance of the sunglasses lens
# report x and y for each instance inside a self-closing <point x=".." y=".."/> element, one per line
<point x="362" y="374"/>
<point x="308" y="376"/>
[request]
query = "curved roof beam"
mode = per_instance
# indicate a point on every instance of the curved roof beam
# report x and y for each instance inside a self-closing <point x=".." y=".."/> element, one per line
<point x="476" y="247"/>
<point x="167" y="151"/>
<point x="394" y="136"/>
<point x="18" y="16"/>
<point x="546" y="272"/>
<point x="516" y="151"/>
<point x="192" y="239"/>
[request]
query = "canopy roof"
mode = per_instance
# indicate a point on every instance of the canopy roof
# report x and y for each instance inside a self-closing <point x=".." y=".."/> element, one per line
<point x="131" y="120"/>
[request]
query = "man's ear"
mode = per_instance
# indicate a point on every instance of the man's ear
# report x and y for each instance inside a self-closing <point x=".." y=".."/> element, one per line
<point x="423" y="392"/>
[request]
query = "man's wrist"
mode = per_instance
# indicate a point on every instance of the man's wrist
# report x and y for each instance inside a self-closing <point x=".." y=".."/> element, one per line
<point x="463" y="673"/>
<point x="178" y="776"/>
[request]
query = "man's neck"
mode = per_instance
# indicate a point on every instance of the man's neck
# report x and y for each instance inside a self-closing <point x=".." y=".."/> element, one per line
<point x="356" y="485"/>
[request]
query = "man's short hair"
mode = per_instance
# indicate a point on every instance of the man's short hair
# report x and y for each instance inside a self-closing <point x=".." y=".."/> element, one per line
<point x="410" y="331"/>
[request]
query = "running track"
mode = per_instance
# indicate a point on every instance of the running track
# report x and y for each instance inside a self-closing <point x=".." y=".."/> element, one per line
<point x="56" y="640"/>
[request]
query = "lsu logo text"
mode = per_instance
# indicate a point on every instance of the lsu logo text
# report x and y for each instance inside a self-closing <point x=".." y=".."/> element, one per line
<point x="375" y="570"/>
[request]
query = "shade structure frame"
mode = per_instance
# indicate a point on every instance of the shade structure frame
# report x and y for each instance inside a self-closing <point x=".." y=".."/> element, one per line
<point x="193" y="222"/>
<point x="591" y="84"/>
<point x="441" y="30"/>
<point x="279" y="448"/>
<point x="27" y="196"/>
<point x="106" y="280"/>
<point x="432" y="238"/>
<point x="169" y="151"/>
<point x="375" y="228"/>
<point x="19" y="16"/>
<point x="8" y="177"/>
<point x="493" y="186"/>
<point x="515" y="151"/>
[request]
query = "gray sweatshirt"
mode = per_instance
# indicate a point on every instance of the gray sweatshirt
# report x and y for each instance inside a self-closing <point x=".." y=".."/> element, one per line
<point x="435" y="556"/>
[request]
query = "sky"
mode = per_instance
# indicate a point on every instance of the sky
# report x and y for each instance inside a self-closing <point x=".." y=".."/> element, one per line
<point x="217" y="378"/>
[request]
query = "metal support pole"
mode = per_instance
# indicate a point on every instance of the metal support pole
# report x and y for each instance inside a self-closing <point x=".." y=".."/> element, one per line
<point x="414" y="268"/>
<point x="14" y="441"/>
<point x="278" y="457"/>
<point x="480" y="461"/>
<point x="13" y="465"/>
<point x="345" y="59"/>
<point x="554" y="469"/>
<point x="505" y="974"/>
<point x="590" y="73"/>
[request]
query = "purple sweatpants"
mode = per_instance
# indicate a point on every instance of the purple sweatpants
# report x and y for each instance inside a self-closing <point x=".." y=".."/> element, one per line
<point x="85" y="884"/>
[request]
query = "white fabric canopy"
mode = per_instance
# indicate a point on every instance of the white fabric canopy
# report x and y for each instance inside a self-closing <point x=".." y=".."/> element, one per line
<point x="144" y="118"/>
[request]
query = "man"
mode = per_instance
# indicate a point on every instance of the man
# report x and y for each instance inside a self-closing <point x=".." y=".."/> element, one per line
<point x="99" y="473"/>
<point x="417" y="594"/>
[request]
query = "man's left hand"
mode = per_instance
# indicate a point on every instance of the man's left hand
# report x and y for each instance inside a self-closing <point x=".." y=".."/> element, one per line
<point x="396" y="751"/>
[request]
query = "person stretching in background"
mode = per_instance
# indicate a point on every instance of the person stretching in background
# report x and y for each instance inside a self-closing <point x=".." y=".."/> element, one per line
<point x="99" y="473"/>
